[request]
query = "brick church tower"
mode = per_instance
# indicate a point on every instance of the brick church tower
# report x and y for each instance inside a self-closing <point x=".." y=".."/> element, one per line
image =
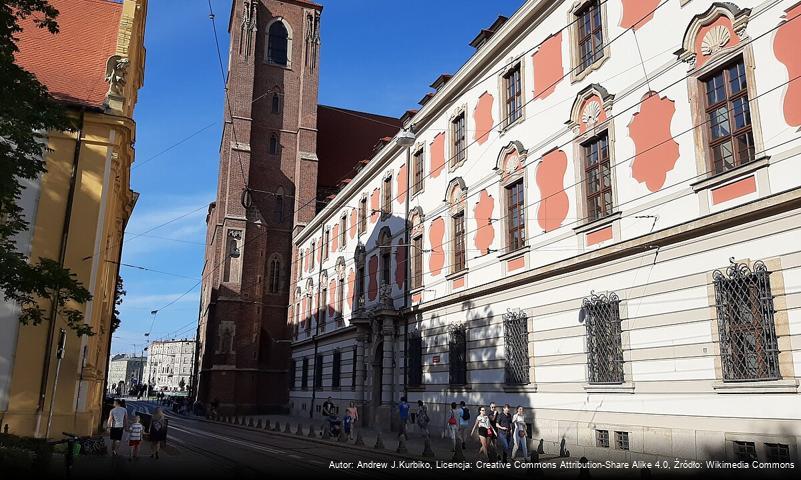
<point x="267" y="187"/>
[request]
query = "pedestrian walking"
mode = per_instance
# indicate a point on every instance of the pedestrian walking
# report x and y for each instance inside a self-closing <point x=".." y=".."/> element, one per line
<point x="422" y="419"/>
<point x="351" y="416"/>
<point x="328" y="413"/>
<point x="452" y="425"/>
<point x="135" y="438"/>
<point x="157" y="432"/>
<point x="403" y="417"/>
<point x="493" y="413"/>
<point x="503" y="423"/>
<point x="464" y="422"/>
<point x="117" y="421"/>
<point x="485" y="431"/>
<point x="520" y="434"/>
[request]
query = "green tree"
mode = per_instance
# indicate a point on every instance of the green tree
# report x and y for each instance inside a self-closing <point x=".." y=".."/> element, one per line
<point x="27" y="111"/>
<point x="119" y="292"/>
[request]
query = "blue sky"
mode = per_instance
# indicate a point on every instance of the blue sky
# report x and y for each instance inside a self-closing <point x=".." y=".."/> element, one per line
<point x="376" y="55"/>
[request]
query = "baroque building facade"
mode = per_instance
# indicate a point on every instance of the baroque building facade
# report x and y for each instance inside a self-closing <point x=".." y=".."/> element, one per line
<point x="597" y="219"/>
<point x="77" y="212"/>
<point x="281" y="156"/>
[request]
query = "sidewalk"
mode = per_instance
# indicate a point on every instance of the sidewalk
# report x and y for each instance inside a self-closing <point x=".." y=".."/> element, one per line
<point x="414" y="447"/>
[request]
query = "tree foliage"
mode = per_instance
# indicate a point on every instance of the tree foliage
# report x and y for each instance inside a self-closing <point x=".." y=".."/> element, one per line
<point x="27" y="111"/>
<point x="119" y="292"/>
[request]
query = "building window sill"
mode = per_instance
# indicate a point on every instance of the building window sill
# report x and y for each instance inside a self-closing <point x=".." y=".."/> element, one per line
<point x="626" y="387"/>
<point x="527" y="388"/>
<point x="455" y="275"/>
<point x="511" y="125"/>
<point x="579" y="75"/>
<point x="415" y="388"/>
<point x="733" y="174"/>
<point x="598" y="224"/>
<point x="763" y="386"/>
<point x="514" y="253"/>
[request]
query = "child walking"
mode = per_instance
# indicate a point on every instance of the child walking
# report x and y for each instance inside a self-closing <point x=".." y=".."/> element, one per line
<point x="135" y="437"/>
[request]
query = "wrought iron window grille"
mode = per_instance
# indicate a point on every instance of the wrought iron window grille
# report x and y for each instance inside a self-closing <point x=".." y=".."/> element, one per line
<point x="749" y="350"/>
<point x="601" y="315"/>
<point x="515" y="333"/>
<point x="457" y="355"/>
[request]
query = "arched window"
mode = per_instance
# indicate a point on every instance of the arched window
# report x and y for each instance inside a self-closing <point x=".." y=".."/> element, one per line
<point x="278" y="44"/>
<point x="276" y="106"/>
<point x="275" y="273"/>
<point x="274" y="144"/>
<point x="279" y="207"/>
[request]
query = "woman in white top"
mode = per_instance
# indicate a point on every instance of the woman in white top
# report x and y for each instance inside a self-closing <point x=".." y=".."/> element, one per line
<point x="485" y="431"/>
<point x="520" y="433"/>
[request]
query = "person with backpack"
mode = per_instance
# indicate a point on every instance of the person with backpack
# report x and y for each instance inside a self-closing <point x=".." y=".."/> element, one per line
<point x="464" y="422"/>
<point x="452" y="424"/>
<point x="157" y="432"/>
<point x="423" y="419"/>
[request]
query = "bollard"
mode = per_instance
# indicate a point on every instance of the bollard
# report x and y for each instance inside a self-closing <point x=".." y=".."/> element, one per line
<point x="267" y="424"/>
<point x="250" y="422"/>
<point x="277" y="427"/>
<point x="259" y="424"/>
<point x="5" y="428"/>
<point x="458" y="454"/>
<point x="540" y="447"/>
<point x="286" y="428"/>
<point x="300" y="430"/>
<point x="379" y="444"/>
<point x="402" y="445"/>
<point x="359" y="439"/>
<point x="311" y="432"/>
<point x="427" y="451"/>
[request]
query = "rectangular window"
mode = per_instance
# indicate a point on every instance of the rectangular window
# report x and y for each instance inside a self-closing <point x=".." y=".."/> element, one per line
<point x="777" y="452"/>
<point x="417" y="262"/>
<point x="312" y="255"/>
<point x="458" y="142"/>
<point x="341" y="300"/>
<point x="304" y="375"/>
<point x="515" y="334"/>
<point x="360" y="286"/>
<point x="417" y="171"/>
<point x="598" y="175"/>
<point x="457" y="356"/>
<point x="459" y="261"/>
<point x="326" y="244"/>
<point x="318" y="372"/>
<point x="415" y="354"/>
<point x="622" y="440"/>
<point x="513" y="96"/>
<point x="336" y="369"/>
<point x="516" y="217"/>
<point x="745" y="451"/>
<point x="602" y="438"/>
<point x="386" y="268"/>
<point x="322" y="308"/>
<point x="604" y="343"/>
<point x="749" y="350"/>
<point x="731" y="138"/>
<point x="343" y="225"/>
<point x="386" y="207"/>
<point x="292" y="373"/>
<point x="362" y="215"/>
<point x="590" y="35"/>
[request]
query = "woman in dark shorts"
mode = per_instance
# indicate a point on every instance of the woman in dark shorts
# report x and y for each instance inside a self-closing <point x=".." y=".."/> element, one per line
<point x="485" y="431"/>
<point x="157" y="431"/>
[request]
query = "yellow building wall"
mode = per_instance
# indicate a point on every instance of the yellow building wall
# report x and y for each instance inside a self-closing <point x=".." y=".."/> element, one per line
<point x="102" y="203"/>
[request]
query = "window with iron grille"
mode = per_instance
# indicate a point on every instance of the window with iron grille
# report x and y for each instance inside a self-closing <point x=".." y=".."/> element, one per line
<point x="336" y="369"/>
<point x="457" y="355"/>
<point x="417" y="261"/>
<point x="745" y="451"/>
<point x="417" y="171"/>
<point x="604" y="344"/>
<point x="598" y="175"/>
<point x="304" y="375"/>
<point x="415" y="359"/>
<point x="777" y="452"/>
<point x="622" y="440"/>
<point x="293" y="365"/>
<point x="516" y="218"/>
<point x="513" y="96"/>
<point x="515" y="334"/>
<point x="386" y="207"/>
<point x="362" y="215"/>
<point x="749" y="350"/>
<point x="318" y="372"/>
<point x="731" y="138"/>
<point x="590" y="35"/>
<point x="459" y="261"/>
<point x="602" y="438"/>
<point x="458" y="142"/>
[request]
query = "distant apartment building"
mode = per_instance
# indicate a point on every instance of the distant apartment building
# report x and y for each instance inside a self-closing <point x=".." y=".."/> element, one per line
<point x="170" y="365"/>
<point x="124" y="372"/>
